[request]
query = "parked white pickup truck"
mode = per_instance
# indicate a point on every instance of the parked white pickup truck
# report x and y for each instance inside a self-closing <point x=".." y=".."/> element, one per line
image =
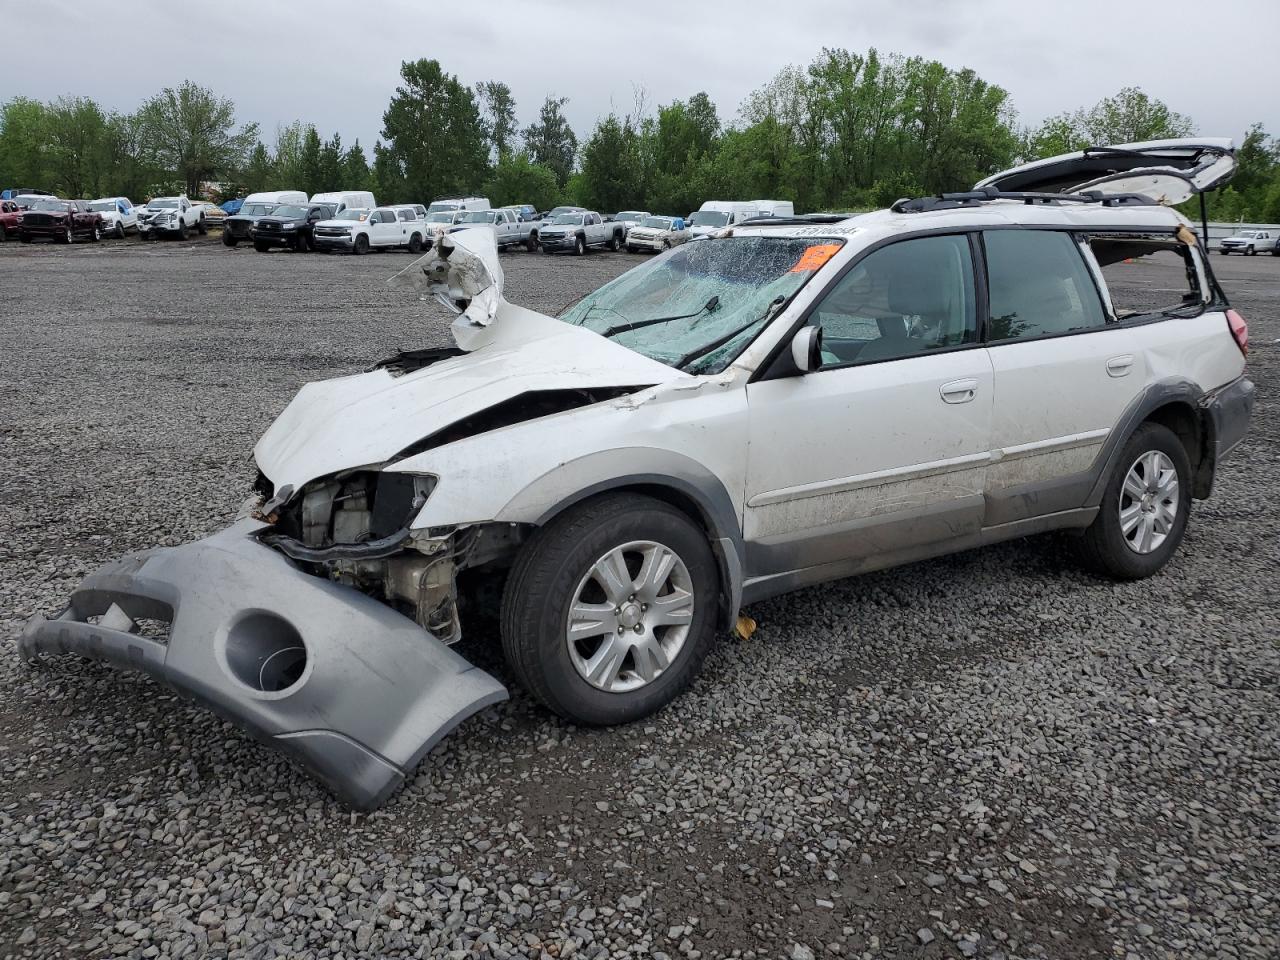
<point x="578" y="231"/>
<point x="175" y="215"/>
<point x="1249" y="242"/>
<point x="509" y="229"/>
<point x="119" y="215"/>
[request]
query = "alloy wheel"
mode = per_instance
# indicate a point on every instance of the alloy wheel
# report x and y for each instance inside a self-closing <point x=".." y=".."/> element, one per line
<point x="630" y="616"/>
<point x="1149" y="502"/>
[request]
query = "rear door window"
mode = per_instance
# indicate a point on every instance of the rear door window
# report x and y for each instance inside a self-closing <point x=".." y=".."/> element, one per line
<point x="1147" y="276"/>
<point x="1039" y="286"/>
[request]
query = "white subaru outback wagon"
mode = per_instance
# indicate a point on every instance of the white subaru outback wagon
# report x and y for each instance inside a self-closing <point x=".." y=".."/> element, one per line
<point x="788" y="402"/>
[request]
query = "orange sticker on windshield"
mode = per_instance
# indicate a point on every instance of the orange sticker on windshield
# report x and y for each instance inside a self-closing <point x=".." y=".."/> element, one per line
<point x="814" y="257"/>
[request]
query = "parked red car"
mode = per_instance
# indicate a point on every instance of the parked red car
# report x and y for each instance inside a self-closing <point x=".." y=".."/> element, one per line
<point x="61" y="220"/>
<point x="8" y="219"/>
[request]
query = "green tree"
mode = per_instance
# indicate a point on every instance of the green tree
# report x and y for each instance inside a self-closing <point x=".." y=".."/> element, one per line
<point x="77" y="138"/>
<point x="355" y="168"/>
<point x="499" y="110"/>
<point x="517" y="179"/>
<point x="551" y="141"/>
<point x="1129" y="117"/>
<point x="611" y="177"/>
<point x="258" y="171"/>
<point x="309" y="161"/>
<point x="286" y="157"/>
<point x="23" y="144"/>
<point x="192" y="133"/>
<point x="434" y="137"/>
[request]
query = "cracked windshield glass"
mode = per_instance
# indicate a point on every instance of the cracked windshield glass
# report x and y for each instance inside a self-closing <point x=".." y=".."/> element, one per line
<point x="698" y="307"/>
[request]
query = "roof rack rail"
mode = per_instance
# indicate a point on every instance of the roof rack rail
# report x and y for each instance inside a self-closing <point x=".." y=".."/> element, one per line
<point x="969" y="198"/>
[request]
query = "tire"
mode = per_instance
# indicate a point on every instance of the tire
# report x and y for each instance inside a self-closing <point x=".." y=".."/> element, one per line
<point x="261" y="246"/>
<point x="68" y="236"/>
<point x="361" y="245"/>
<point x="227" y="239"/>
<point x="1223" y="252"/>
<point x="300" y="243"/>
<point x="415" y="244"/>
<point x="1105" y="547"/>
<point x="119" y="230"/>
<point x="182" y="229"/>
<point x="615" y="243"/>
<point x="631" y="249"/>
<point x="97" y="234"/>
<point x="201" y="227"/>
<point x="24" y="237"/>
<point x="553" y="572"/>
<point x="579" y="246"/>
<point x="531" y="243"/>
<point x="1251" y="252"/>
<point x="666" y="245"/>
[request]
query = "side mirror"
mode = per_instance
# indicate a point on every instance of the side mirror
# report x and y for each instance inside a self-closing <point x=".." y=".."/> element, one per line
<point x="806" y="349"/>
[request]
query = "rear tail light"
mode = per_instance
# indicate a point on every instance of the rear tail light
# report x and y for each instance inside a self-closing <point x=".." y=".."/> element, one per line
<point x="1239" y="330"/>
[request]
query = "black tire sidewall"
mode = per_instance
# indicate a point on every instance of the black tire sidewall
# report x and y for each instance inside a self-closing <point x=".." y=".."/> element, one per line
<point x="1114" y="552"/>
<point x="559" y="561"/>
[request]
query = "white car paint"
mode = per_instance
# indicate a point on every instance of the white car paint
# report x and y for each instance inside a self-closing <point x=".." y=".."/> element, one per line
<point x="119" y="215"/>
<point x="657" y="233"/>
<point x="1250" y="242"/>
<point x="168" y="215"/>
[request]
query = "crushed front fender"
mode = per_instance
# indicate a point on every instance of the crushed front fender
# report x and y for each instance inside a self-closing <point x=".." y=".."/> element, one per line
<point x="353" y="690"/>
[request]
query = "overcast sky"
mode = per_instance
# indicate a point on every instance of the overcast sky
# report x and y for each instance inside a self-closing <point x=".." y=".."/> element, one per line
<point x="335" y="63"/>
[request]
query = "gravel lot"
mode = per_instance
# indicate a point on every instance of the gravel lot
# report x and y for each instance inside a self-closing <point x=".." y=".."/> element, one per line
<point x="989" y="755"/>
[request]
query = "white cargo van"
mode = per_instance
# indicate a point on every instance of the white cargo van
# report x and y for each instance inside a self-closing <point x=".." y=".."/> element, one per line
<point x="342" y="199"/>
<point x="775" y="208"/>
<point x="454" y="204"/>
<point x="277" y="197"/>
<point x="717" y="214"/>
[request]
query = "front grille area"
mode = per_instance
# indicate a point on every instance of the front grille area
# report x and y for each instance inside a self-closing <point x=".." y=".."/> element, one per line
<point x="268" y="226"/>
<point x="38" y="220"/>
<point x="331" y="232"/>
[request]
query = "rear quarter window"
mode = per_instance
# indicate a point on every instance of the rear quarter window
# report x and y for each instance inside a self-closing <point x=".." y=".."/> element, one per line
<point x="1148" y="275"/>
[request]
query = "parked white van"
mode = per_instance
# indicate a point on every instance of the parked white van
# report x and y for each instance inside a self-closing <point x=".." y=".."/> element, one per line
<point x="276" y="197"/>
<point x="342" y="199"/>
<point x="454" y="204"/>
<point x="717" y="214"/>
<point x="775" y="208"/>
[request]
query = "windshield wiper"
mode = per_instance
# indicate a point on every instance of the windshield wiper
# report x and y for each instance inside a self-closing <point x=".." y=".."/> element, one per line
<point x="721" y="341"/>
<point x="708" y="307"/>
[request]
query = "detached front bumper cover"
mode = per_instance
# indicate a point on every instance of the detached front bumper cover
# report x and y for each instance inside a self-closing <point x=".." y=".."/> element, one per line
<point x="354" y="691"/>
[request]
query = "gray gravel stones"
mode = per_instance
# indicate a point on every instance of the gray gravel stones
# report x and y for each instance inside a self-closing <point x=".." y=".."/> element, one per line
<point x="991" y="755"/>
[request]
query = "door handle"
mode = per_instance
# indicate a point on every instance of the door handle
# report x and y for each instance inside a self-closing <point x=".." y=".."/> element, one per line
<point x="959" y="391"/>
<point x="1120" y="366"/>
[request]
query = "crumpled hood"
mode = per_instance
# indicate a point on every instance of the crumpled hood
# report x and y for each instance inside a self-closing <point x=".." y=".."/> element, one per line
<point x="368" y="418"/>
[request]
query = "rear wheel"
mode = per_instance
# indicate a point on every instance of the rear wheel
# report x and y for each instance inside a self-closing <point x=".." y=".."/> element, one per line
<point x="610" y="609"/>
<point x="1144" y="511"/>
<point x="361" y="244"/>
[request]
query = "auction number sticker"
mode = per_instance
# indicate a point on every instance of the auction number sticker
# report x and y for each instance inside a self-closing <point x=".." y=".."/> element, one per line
<point x="815" y="256"/>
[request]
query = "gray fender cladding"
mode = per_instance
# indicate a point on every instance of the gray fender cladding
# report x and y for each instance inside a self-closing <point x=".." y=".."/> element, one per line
<point x="354" y="691"/>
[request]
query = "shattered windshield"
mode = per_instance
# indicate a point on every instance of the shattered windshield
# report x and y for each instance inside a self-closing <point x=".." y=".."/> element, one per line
<point x="709" y="218"/>
<point x="657" y="223"/>
<point x="698" y="307"/>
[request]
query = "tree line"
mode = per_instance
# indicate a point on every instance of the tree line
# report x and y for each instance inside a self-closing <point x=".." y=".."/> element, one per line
<point x="848" y="131"/>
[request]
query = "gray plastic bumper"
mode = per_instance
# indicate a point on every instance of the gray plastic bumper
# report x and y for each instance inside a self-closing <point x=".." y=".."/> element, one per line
<point x="353" y="690"/>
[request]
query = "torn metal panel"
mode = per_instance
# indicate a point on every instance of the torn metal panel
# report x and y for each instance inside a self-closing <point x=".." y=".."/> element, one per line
<point x="351" y="689"/>
<point x="461" y="270"/>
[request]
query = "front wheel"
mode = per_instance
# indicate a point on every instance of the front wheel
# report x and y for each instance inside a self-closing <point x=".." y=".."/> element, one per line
<point x="579" y="246"/>
<point x="201" y="226"/>
<point x="615" y="243"/>
<point x="182" y="229"/>
<point x="119" y="230"/>
<point x="362" y="244"/>
<point x="300" y="243"/>
<point x="97" y="234"/>
<point x="261" y="246"/>
<point x="68" y="236"/>
<point x="227" y="239"/>
<point x="531" y="243"/>
<point x="1144" y="511"/>
<point x="610" y="609"/>
<point x="1251" y="252"/>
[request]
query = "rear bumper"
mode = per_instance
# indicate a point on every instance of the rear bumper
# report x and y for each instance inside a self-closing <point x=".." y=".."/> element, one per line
<point x="1229" y="410"/>
<point x="351" y="689"/>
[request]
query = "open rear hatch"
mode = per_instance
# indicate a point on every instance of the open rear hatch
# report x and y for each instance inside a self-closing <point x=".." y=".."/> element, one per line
<point x="1166" y="171"/>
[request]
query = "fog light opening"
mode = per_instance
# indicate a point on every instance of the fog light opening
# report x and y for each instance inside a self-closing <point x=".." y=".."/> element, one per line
<point x="266" y="653"/>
